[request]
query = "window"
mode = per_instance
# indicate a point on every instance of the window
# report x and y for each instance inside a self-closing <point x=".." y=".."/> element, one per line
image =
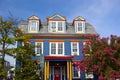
<point x="56" y="48"/>
<point x="56" y="26"/>
<point x="59" y="26"/>
<point x="75" y="71"/>
<point x="33" y="25"/>
<point x="39" y="48"/>
<point x="80" y="27"/>
<point x="74" y="48"/>
<point x="53" y="27"/>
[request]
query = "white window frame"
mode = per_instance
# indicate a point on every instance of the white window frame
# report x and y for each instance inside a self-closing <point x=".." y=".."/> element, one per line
<point x="57" y="23"/>
<point x="77" y="71"/>
<point x="35" y="27"/>
<point x="72" y="52"/>
<point x="77" y="26"/>
<point x="38" y="54"/>
<point x="56" y="43"/>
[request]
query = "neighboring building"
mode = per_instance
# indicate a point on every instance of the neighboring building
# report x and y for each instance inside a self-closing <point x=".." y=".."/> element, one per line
<point x="61" y="44"/>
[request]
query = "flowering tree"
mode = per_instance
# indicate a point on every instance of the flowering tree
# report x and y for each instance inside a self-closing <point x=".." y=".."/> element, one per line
<point x="102" y="57"/>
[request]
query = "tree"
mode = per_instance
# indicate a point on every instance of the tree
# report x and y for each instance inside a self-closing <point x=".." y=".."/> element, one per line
<point x="27" y="68"/>
<point x="103" y="57"/>
<point x="8" y="36"/>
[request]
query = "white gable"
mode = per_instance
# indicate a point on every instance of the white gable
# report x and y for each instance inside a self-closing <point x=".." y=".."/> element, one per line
<point x="33" y="17"/>
<point x="57" y="17"/>
<point x="79" y="18"/>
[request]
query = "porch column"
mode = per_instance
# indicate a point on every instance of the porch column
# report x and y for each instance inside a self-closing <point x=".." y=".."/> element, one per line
<point x="68" y="70"/>
<point x="45" y="71"/>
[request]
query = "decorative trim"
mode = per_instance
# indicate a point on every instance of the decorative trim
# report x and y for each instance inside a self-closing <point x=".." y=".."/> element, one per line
<point x="68" y="36"/>
<point x="74" y="40"/>
<point x="39" y="40"/>
<point x="56" y="40"/>
<point x="58" y="57"/>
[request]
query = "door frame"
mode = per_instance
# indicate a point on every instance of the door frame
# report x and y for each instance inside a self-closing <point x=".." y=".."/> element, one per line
<point x="52" y="67"/>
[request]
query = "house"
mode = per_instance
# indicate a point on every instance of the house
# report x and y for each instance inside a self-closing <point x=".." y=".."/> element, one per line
<point x="60" y="42"/>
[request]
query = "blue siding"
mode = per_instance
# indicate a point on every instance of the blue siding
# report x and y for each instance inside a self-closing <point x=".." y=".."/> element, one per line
<point x="67" y="47"/>
<point x="46" y="48"/>
<point x="32" y="42"/>
<point x="80" y="57"/>
<point x="36" y="57"/>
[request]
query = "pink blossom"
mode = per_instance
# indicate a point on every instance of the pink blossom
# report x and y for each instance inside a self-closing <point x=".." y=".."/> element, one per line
<point x="91" y="60"/>
<point x="100" y="77"/>
<point x="113" y="59"/>
<point x="95" y="67"/>
<point x="97" y="54"/>
<point x="100" y="58"/>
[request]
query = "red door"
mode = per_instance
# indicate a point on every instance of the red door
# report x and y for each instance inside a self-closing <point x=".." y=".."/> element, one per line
<point x="57" y="73"/>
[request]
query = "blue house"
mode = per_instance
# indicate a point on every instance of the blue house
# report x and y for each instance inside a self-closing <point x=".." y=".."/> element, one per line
<point x="60" y="42"/>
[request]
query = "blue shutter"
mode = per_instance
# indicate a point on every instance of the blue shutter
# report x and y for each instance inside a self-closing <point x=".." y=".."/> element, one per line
<point x="80" y="49"/>
<point x="46" y="47"/>
<point x="67" y="47"/>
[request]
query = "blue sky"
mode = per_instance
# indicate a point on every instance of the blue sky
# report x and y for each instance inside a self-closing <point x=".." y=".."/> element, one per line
<point x="104" y="15"/>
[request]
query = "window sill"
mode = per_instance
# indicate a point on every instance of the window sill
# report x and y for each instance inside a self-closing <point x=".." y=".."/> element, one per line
<point x="75" y="54"/>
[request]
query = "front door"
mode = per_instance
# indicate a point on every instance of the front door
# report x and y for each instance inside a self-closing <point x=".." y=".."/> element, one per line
<point x="57" y="73"/>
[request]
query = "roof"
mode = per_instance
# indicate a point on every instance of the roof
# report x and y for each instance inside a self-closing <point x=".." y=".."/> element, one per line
<point x="89" y="29"/>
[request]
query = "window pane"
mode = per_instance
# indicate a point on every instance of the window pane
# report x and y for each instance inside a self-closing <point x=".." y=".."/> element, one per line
<point x="60" y="48"/>
<point x="75" y="71"/>
<point x="59" y="26"/>
<point x="33" y="25"/>
<point x="79" y="26"/>
<point x="74" y="45"/>
<point x="39" y="48"/>
<point x="53" y="48"/>
<point x="53" y="27"/>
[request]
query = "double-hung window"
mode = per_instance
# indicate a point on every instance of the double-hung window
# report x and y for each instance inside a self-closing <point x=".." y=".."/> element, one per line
<point x="74" y="48"/>
<point x="60" y="26"/>
<point x="33" y="25"/>
<point x="75" y="72"/>
<point x="79" y="27"/>
<point x="56" y="48"/>
<point x="56" y="26"/>
<point x="53" y="26"/>
<point x="39" y="48"/>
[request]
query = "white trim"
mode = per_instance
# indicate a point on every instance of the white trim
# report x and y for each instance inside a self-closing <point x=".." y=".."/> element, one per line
<point x="35" y="26"/>
<point x="56" y="29"/>
<point x="75" y="53"/>
<point x="76" y="27"/>
<point x="56" y="43"/>
<point x="36" y="48"/>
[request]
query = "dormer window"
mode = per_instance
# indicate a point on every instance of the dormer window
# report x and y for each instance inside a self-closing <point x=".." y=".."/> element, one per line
<point x="79" y="27"/>
<point x="56" y="26"/>
<point x="79" y="24"/>
<point x="33" y="24"/>
<point x="56" y="23"/>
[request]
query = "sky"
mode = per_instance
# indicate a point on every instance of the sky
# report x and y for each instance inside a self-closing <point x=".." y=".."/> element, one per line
<point x="104" y="15"/>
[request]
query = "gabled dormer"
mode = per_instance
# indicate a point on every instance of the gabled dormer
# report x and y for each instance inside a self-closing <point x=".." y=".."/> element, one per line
<point x="56" y="24"/>
<point x="33" y="24"/>
<point x="79" y="24"/>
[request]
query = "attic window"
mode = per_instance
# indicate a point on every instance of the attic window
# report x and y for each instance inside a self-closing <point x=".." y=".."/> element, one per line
<point x="79" y="27"/>
<point x="33" y="25"/>
<point x="56" y="26"/>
